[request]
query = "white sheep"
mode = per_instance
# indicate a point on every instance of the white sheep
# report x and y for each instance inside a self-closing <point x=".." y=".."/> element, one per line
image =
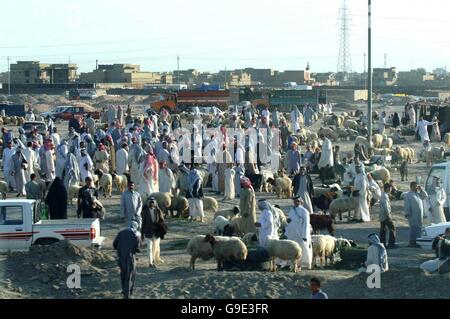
<point x="106" y="182"/>
<point x="387" y="142"/>
<point x="3" y="189"/>
<point x="447" y="139"/>
<point x="283" y="187"/>
<point x="73" y="193"/>
<point x="221" y="225"/>
<point x="343" y="204"/>
<point x="323" y="247"/>
<point x="121" y="182"/>
<point x="164" y="201"/>
<point x="228" y="214"/>
<point x="351" y="124"/>
<point x="227" y="249"/>
<point x="181" y="205"/>
<point x="284" y="250"/>
<point x="377" y="140"/>
<point x="210" y="204"/>
<point x="381" y="174"/>
<point x="199" y="247"/>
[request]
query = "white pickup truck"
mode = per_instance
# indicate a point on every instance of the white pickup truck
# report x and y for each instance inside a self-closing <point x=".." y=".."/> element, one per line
<point x="20" y="228"/>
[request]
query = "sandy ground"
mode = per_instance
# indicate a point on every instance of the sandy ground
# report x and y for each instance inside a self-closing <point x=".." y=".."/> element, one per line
<point x="41" y="273"/>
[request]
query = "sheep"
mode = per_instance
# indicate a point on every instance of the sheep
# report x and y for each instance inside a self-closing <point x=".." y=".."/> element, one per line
<point x="205" y="176"/>
<point x="164" y="201"/>
<point x="387" y="142"/>
<point x="73" y="193"/>
<point x="436" y="153"/>
<point x="266" y="176"/>
<point x="210" y="204"/>
<point x="20" y="121"/>
<point x="342" y="133"/>
<point x="226" y="249"/>
<point x="3" y="189"/>
<point x="381" y="174"/>
<point x="181" y="205"/>
<point x="236" y="223"/>
<point x="223" y="226"/>
<point x="323" y="246"/>
<point x="281" y="216"/>
<point x="447" y="139"/>
<point x="402" y="154"/>
<point x="284" y="250"/>
<point x="105" y="181"/>
<point x="377" y="140"/>
<point x="199" y="247"/>
<point x="120" y="181"/>
<point x="282" y="187"/>
<point x="228" y="214"/>
<point x="344" y="204"/>
<point x="411" y="154"/>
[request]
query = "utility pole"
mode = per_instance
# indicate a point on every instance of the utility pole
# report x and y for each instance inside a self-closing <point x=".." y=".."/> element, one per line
<point x="178" y="69"/>
<point x="9" y="77"/>
<point x="385" y="60"/>
<point x="369" y="79"/>
<point x="365" y="70"/>
<point x="96" y="73"/>
<point x="226" y="78"/>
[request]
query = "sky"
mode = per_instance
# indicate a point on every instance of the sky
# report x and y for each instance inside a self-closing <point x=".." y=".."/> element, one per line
<point x="211" y="35"/>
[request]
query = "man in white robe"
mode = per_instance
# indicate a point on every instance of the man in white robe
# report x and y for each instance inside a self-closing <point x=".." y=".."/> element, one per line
<point x="166" y="179"/>
<point x="299" y="230"/>
<point x="382" y="123"/>
<point x="122" y="160"/>
<point x="229" y="183"/>
<point x="50" y="164"/>
<point x="268" y="223"/>
<point x="295" y="117"/>
<point x="326" y="161"/>
<point x="61" y="158"/>
<point x="134" y="158"/>
<point x="86" y="165"/>
<point x="437" y="199"/>
<point x="362" y="186"/>
<point x="422" y="129"/>
<point x="32" y="159"/>
<point x="8" y="152"/>
<point x="412" y="116"/>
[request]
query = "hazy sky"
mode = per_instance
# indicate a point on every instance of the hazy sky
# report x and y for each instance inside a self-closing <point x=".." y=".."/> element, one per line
<point x="212" y="34"/>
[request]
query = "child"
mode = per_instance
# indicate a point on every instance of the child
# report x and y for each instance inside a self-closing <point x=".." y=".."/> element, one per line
<point x="404" y="171"/>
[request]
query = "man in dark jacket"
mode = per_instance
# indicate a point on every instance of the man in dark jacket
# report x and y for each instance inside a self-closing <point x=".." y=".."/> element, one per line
<point x="127" y="245"/>
<point x="86" y="197"/>
<point x="153" y="230"/>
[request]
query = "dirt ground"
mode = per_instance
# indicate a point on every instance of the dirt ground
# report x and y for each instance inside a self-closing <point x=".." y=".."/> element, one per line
<point x="41" y="273"/>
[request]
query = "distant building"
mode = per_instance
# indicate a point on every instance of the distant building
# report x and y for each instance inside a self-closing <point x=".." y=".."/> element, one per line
<point x="383" y="77"/>
<point x="129" y="75"/>
<point x="185" y="76"/>
<point x="298" y="76"/>
<point x="412" y="78"/>
<point x="34" y="72"/>
<point x="4" y="77"/>
<point x="264" y="76"/>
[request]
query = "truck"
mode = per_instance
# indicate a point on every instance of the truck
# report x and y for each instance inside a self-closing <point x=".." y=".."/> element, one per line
<point x="82" y="94"/>
<point x="20" y="228"/>
<point x="79" y="111"/>
<point x="12" y="109"/>
<point x="176" y="102"/>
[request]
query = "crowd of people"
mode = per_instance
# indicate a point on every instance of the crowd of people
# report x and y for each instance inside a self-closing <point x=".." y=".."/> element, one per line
<point x="159" y="154"/>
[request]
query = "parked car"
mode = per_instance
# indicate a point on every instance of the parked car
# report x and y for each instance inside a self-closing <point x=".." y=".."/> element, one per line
<point x="56" y="110"/>
<point x="429" y="233"/>
<point x="20" y="227"/>
<point x="78" y="111"/>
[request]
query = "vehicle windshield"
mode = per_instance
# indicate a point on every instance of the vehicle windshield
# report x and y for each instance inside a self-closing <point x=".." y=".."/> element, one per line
<point x="40" y="126"/>
<point x="435" y="172"/>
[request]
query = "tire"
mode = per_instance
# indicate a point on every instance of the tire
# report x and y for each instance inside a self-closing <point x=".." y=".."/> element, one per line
<point x="46" y="241"/>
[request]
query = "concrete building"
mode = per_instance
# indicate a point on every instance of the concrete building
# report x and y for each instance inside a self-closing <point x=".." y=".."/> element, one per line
<point x="34" y="72"/>
<point x="129" y="75"/>
<point x="186" y="76"/>
<point x="298" y="76"/>
<point x="412" y="78"/>
<point x="384" y="77"/>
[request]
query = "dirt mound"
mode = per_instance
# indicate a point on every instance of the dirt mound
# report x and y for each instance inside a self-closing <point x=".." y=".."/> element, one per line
<point x="45" y="267"/>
